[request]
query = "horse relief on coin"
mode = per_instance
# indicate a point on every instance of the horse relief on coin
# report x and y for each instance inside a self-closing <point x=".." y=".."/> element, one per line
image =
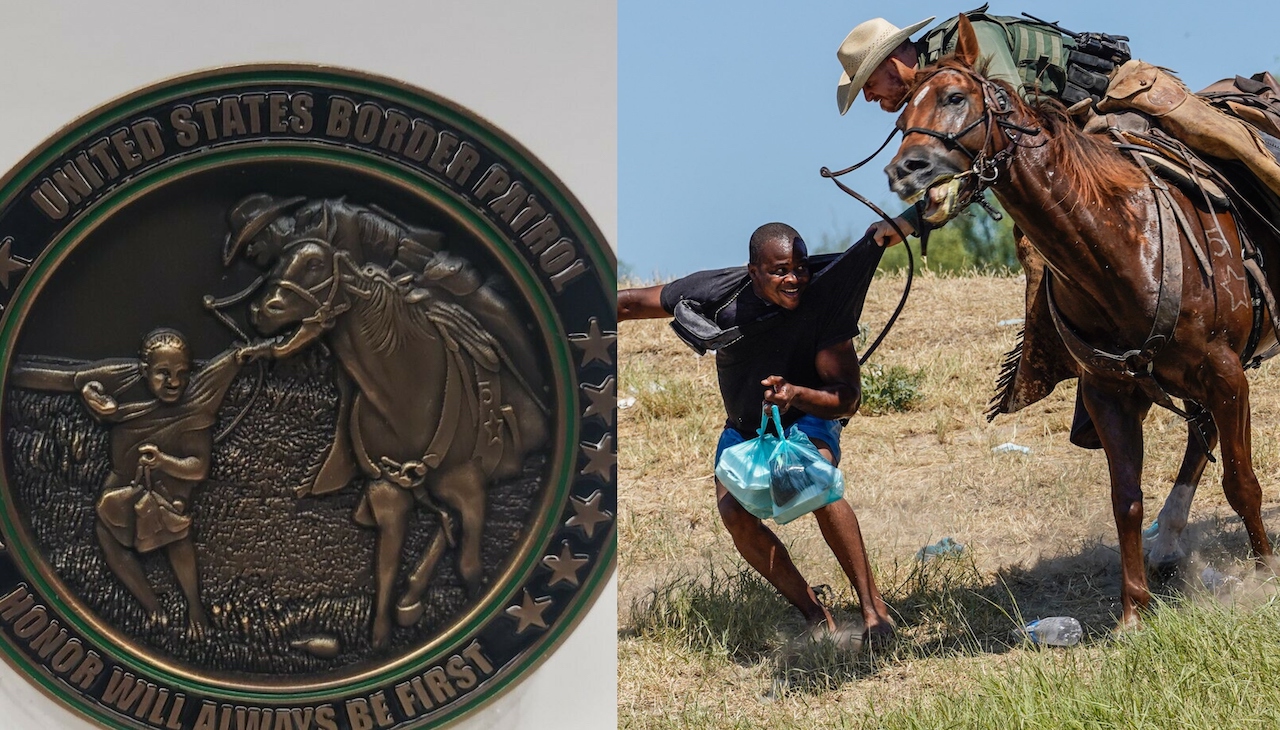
<point x="308" y="407"/>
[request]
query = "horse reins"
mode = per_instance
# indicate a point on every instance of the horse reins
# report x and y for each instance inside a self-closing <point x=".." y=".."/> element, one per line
<point x="911" y="261"/>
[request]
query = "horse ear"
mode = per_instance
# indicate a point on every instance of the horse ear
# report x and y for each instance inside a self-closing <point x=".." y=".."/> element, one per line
<point x="966" y="42"/>
<point x="324" y="221"/>
<point x="905" y="72"/>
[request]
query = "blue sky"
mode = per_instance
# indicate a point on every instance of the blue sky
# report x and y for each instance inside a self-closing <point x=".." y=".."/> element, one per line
<point x="726" y="110"/>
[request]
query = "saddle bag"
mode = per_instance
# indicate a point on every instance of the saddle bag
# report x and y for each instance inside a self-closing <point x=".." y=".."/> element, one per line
<point x="1255" y="100"/>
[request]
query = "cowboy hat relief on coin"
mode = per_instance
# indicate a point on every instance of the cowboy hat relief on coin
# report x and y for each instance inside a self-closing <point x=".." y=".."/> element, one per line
<point x="308" y="407"/>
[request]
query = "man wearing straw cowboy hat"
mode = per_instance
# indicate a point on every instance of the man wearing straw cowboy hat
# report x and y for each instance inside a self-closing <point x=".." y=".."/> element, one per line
<point x="1041" y="61"/>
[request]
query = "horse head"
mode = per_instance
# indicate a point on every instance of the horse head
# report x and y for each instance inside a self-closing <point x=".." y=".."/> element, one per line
<point x="305" y="286"/>
<point x="951" y="141"/>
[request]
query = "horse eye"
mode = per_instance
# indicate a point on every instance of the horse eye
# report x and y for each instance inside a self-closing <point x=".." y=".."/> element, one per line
<point x="314" y="264"/>
<point x="955" y="99"/>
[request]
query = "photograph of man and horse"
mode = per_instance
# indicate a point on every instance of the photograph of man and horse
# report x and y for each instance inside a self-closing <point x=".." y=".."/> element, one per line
<point x="1145" y="219"/>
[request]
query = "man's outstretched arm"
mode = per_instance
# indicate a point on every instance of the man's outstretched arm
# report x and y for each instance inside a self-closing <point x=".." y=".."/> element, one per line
<point x="645" y="303"/>
<point x="838" y="398"/>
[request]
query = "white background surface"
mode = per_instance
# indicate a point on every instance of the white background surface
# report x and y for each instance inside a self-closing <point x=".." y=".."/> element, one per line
<point x="545" y="72"/>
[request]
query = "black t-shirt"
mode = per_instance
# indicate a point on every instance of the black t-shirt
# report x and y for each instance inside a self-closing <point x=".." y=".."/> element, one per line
<point x="788" y="346"/>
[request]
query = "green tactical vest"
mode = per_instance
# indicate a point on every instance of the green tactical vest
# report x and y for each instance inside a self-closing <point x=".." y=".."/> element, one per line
<point x="1039" y="52"/>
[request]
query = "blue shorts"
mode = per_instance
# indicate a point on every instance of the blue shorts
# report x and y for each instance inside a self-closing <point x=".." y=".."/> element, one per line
<point x="817" y="429"/>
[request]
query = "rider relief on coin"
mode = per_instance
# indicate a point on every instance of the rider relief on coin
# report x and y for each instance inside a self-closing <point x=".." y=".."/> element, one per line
<point x="308" y="407"/>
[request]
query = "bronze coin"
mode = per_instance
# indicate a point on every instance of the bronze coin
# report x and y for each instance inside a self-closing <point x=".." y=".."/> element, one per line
<point x="308" y="407"/>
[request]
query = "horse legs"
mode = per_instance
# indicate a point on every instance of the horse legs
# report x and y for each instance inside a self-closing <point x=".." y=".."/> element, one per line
<point x="1165" y="549"/>
<point x="463" y="489"/>
<point x="1119" y="420"/>
<point x="390" y="505"/>
<point x="409" y="608"/>
<point x="1229" y="404"/>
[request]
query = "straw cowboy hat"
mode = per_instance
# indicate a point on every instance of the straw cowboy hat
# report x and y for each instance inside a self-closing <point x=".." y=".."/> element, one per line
<point x="863" y="49"/>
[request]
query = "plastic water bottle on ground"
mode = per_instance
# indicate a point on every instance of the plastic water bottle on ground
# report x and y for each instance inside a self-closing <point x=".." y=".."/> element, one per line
<point x="945" y="546"/>
<point x="1054" y="631"/>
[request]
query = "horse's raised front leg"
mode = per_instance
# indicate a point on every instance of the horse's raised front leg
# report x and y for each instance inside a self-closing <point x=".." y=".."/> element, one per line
<point x="1229" y="404"/>
<point x="409" y="608"/>
<point x="390" y="504"/>
<point x="1119" y="417"/>
<point x="1165" y="549"/>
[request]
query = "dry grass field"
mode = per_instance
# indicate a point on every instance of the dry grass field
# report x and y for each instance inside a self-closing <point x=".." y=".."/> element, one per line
<point x="704" y="644"/>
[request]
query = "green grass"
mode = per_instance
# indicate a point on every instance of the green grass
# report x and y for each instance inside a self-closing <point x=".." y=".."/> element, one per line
<point x="942" y="607"/>
<point x="890" y="389"/>
<point x="734" y="615"/>
<point x="1191" y="666"/>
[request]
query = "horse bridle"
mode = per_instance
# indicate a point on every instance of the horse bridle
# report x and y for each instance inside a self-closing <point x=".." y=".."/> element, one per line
<point x="326" y="311"/>
<point x="996" y="108"/>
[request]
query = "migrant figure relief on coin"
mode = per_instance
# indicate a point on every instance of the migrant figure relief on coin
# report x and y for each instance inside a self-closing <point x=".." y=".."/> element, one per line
<point x="318" y="423"/>
<point x="159" y="450"/>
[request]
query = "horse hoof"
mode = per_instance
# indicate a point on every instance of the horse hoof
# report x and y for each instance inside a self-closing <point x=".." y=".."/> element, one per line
<point x="409" y="614"/>
<point x="1164" y="571"/>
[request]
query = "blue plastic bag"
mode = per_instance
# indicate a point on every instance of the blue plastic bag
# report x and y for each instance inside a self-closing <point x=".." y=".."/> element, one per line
<point x="779" y="478"/>
<point x="800" y="480"/>
<point x="744" y="469"/>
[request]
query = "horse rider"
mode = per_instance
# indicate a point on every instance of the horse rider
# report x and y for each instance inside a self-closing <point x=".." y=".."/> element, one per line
<point x="795" y="350"/>
<point x="1088" y="73"/>
<point x="1041" y="61"/>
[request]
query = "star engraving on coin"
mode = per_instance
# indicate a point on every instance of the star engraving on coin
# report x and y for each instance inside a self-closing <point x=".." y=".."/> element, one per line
<point x="588" y="513"/>
<point x="565" y="566"/>
<point x="594" y="344"/>
<point x="601" y="457"/>
<point x="604" y="400"/>
<point x="529" y="612"/>
<point x="9" y="264"/>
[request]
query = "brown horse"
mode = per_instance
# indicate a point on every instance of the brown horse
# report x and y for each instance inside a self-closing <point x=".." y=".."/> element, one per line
<point x="1147" y="287"/>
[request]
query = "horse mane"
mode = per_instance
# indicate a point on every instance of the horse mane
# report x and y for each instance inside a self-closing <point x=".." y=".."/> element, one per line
<point x="392" y="320"/>
<point x="1098" y="173"/>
